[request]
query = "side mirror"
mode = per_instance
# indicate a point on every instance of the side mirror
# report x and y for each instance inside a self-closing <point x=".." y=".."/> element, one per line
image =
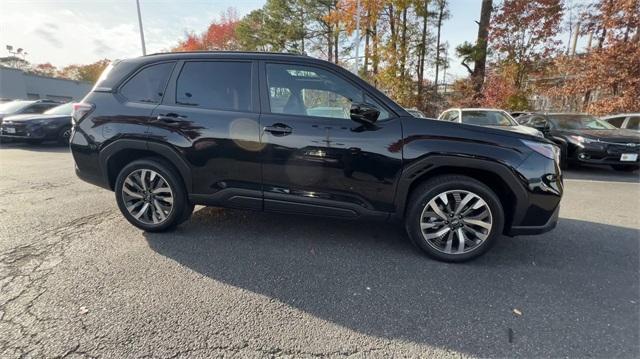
<point x="364" y="113"/>
<point x="542" y="127"/>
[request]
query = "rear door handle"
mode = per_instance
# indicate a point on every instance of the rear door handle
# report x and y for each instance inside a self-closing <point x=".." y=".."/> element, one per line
<point x="278" y="129"/>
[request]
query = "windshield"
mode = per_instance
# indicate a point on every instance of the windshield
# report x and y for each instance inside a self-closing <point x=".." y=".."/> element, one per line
<point x="60" y="110"/>
<point x="580" y="122"/>
<point x="13" y="106"/>
<point x="487" y="118"/>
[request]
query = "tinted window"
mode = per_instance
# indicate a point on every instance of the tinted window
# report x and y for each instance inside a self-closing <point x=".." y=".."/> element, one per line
<point x="451" y="116"/>
<point x="487" y="118"/>
<point x="215" y="85"/>
<point x="634" y="123"/>
<point x="616" y="121"/>
<point x="310" y="91"/>
<point x="65" y="109"/>
<point x="537" y="121"/>
<point x="579" y="122"/>
<point x="38" y="108"/>
<point x="148" y="85"/>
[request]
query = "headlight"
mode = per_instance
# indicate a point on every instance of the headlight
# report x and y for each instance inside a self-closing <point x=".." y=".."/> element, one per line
<point x="546" y="149"/>
<point x="579" y="140"/>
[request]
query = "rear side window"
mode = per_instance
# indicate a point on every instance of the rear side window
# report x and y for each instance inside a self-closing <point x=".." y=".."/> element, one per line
<point x="215" y="85"/>
<point x="634" y="123"/>
<point x="616" y="121"/>
<point x="148" y="85"/>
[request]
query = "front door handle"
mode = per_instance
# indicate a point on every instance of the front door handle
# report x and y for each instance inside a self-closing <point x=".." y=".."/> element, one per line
<point x="169" y="118"/>
<point x="278" y="129"/>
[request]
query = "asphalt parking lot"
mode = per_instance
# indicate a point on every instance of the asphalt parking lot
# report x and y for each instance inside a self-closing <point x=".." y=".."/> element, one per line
<point x="77" y="280"/>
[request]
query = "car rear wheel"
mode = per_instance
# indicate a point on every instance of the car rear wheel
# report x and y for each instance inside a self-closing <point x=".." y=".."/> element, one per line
<point x="625" y="168"/>
<point x="151" y="196"/>
<point x="454" y="218"/>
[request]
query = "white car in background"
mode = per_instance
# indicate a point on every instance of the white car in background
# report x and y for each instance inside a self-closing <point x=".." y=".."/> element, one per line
<point x="487" y="117"/>
<point x="627" y="121"/>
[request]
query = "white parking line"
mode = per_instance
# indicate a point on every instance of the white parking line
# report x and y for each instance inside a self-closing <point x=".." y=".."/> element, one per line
<point x="598" y="181"/>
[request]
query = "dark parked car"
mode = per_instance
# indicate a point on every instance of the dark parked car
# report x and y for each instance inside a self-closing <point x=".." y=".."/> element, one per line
<point x="253" y="131"/>
<point x="585" y="139"/>
<point x="629" y="121"/>
<point x="19" y="107"/>
<point x="54" y="125"/>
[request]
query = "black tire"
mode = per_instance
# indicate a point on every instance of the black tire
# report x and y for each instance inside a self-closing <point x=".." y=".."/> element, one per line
<point x="64" y="136"/>
<point x="625" y="168"/>
<point x="425" y="192"/>
<point x="181" y="208"/>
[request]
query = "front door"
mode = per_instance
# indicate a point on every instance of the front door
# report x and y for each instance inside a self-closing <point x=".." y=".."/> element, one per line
<point x="316" y="160"/>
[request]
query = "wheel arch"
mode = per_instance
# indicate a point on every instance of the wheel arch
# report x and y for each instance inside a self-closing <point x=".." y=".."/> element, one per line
<point x="498" y="177"/>
<point x="119" y="153"/>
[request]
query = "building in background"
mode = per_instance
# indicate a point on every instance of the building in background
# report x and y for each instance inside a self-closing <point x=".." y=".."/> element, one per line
<point x="16" y="84"/>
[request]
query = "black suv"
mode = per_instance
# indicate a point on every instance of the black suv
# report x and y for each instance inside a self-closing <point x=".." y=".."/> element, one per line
<point x="294" y="134"/>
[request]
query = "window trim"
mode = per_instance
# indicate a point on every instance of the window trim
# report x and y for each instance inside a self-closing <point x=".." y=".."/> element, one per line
<point x="265" y="97"/>
<point x="172" y="92"/>
<point x="119" y="88"/>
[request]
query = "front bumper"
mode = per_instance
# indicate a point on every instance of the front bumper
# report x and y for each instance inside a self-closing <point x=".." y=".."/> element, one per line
<point x="531" y="230"/>
<point x="24" y="132"/>
<point x="604" y="154"/>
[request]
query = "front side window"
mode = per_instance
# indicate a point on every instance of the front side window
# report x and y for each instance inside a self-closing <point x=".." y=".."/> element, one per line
<point x="310" y="91"/>
<point x="580" y="122"/>
<point x="65" y="109"/>
<point x="38" y="108"/>
<point x="487" y="118"/>
<point x="215" y="85"/>
<point x="148" y="84"/>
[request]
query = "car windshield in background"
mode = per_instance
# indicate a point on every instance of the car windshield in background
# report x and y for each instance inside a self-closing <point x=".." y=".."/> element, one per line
<point x="580" y="122"/>
<point x="60" y="110"/>
<point x="13" y="106"/>
<point x="487" y="118"/>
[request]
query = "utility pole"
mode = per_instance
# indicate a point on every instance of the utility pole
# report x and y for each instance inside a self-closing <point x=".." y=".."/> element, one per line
<point x="144" y="49"/>
<point x="357" y="37"/>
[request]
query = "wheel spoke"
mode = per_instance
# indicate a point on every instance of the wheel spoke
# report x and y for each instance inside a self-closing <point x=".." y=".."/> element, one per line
<point x="447" y="248"/>
<point x="437" y="234"/>
<point x="461" y="240"/>
<point x="437" y="210"/>
<point x="142" y="211"/>
<point x="131" y="194"/>
<point x="464" y="202"/>
<point x="478" y="223"/>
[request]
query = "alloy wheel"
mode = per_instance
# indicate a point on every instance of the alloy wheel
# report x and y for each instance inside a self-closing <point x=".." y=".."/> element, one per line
<point x="456" y="222"/>
<point x="147" y="196"/>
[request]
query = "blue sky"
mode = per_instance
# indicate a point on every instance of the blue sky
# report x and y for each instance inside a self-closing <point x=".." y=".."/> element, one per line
<point x="82" y="31"/>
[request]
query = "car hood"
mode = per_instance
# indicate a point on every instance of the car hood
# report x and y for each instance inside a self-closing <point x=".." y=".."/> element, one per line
<point x="36" y="117"/>
<point x="615" y="135"/>
<point x="520" y="129"/>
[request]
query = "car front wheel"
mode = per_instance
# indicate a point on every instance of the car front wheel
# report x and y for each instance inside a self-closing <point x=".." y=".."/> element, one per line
<point x="151" y="196"/>
<point x="454" y="218"/>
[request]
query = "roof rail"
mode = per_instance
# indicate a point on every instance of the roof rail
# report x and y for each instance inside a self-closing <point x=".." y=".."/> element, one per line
<point x="225" y="52"/>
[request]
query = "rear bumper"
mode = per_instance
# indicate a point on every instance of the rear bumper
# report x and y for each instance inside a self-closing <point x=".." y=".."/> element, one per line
<point x="531" y="230"/>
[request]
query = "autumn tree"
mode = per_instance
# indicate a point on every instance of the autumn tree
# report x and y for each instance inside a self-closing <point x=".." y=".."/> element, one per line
<point x="607" y="77"/>
<point x="220" y="35"/>
<point x="89" y="73"/>
<point x="477" y="53"/>
<point x="46" y="69"/>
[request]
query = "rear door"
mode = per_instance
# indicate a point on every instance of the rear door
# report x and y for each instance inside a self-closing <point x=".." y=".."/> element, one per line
<point x="317" y="160"/>
<point x="210" y="117"/>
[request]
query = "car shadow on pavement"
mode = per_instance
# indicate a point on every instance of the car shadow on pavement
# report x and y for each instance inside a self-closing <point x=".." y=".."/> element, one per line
<point x="601" y="173"/>
<point x="576" y="288"/>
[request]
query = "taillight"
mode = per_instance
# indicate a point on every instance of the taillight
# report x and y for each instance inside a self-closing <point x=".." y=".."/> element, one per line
<point x="80" y="111"/>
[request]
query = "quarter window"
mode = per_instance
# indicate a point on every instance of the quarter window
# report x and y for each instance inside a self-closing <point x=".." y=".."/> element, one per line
<point x="148" y="85"/>
<point x="310" y="91"/>
<point x="215" y="85"/>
